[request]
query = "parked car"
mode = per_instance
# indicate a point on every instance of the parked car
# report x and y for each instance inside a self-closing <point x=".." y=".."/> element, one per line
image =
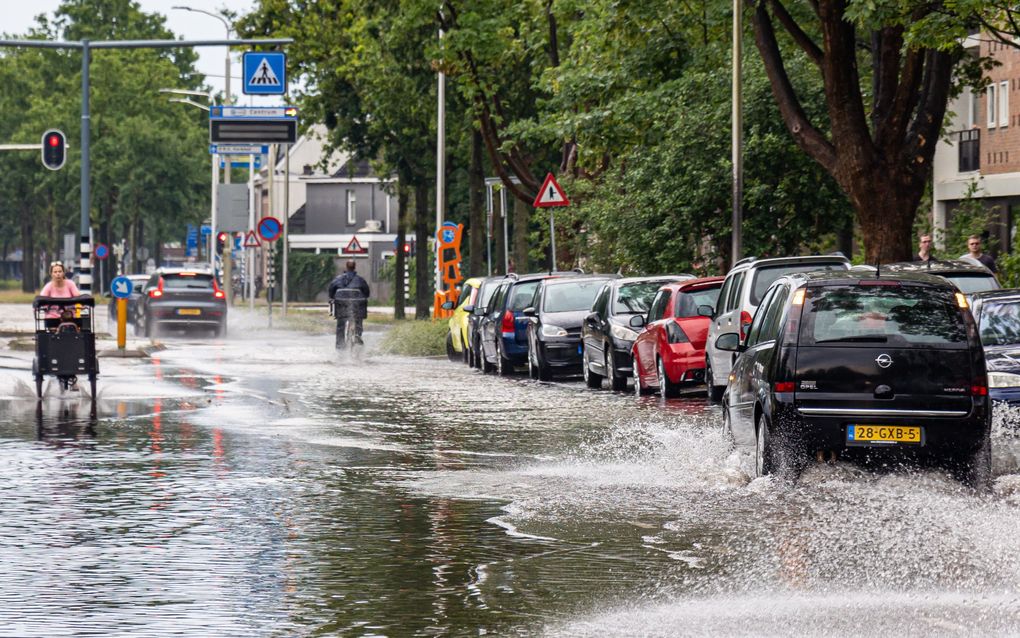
<point x="606" y="334"/>
<point x="669" y="353"/>
<point x="741" y="293"/>
<point x="554" y="328"/>
<point x="475" y="312"/>
<point x="457" y="335"/>
<point x="137" y="283"/>
<point x="504" y="328"/>
<point x="968" y="275"/>
<point x="182" y="299"/>
<point x="837" y="365"/>
<point x="997" y="314"/>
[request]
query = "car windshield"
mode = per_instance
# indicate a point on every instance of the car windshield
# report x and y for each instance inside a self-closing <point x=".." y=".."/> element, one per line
<point x="969" y="284"/>
<point x="764" y="276"/>
<point x="687" y="303"/>
<point x="892" y="314"/>
<point x="572" y="296"/>
<point x="187" y="282"/>
<point x="635" y="298"/>
<point x="1000" y="323"/>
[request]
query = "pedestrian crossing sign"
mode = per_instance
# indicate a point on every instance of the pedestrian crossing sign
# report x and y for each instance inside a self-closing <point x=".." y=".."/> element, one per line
<point x="265" y="73"/>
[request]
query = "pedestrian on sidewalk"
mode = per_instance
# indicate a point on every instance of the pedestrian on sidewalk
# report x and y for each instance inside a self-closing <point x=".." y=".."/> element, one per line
<point x="975" y="254"/>
<point x="924" y="249"/>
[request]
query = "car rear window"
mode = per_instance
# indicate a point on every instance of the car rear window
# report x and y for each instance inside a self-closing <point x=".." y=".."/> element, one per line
<point x="635" y="298"/>
<point x="187" y="282"/>
<point x="889" y="314"/>
<point x="764" y="276"/>
<point x="573" y="296"/>
<point x="485" y="293"/>
<point x="687" y="303"/>
<point x="969" y="284"/>
<point x="1000" y="323"/>
<point x="522" y="296"/>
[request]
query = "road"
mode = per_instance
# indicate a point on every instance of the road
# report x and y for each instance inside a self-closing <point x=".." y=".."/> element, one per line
<point x="260" y="485"/>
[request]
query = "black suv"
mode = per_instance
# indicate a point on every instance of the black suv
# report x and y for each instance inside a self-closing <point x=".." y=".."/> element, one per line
<point x="181" y="299"/>
<point x="849" y="364"/>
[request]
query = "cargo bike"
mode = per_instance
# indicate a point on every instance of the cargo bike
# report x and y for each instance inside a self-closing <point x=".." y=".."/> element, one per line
<point x="65" y="342"/>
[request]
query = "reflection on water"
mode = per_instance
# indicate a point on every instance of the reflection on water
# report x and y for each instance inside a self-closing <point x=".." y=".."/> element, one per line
<point x="240" y="496"/>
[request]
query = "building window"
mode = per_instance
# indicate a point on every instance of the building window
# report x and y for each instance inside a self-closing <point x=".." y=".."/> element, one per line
<point x="990" y="105"/>
<point x="970" y="99"/>
<point x="1003" y="104"/>
<point x="352" y="208"/>
<point x="969" y="143"/>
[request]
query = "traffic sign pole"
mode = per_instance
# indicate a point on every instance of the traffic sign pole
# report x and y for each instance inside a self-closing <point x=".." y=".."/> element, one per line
<point x="121" y="324"/>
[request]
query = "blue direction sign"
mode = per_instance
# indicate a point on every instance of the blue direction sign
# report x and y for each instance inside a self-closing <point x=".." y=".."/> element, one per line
<point x="265" y="73"/>
<point x="121" y="287"/>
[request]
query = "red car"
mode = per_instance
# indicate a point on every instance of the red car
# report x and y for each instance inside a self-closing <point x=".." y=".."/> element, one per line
<point x="670" y="352"/>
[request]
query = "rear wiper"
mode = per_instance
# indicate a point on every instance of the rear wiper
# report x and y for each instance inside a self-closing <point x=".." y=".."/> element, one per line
<point x="858" y="339"/>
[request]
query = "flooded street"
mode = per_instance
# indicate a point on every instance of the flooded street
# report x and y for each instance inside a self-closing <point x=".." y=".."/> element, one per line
<point x="261" y="486"/>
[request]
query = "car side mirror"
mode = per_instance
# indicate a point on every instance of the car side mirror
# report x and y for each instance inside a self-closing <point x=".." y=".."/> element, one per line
<point x="730" y="342"/>
<point x="447" y="305"/>
<point x="469" y="308"/>
<point x="706" y="310"/>
<point x="637" y="321"/>
<point x="529" y="311"/>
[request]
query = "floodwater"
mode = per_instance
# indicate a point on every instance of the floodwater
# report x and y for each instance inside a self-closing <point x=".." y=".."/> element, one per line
<point x="262" y="486"/>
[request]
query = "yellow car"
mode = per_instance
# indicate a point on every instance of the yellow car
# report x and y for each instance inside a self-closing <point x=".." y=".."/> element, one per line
<point x="457" y="336"/>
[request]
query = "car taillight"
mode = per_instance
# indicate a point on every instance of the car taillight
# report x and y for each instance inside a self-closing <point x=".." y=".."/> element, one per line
<point x="675" y="334"/>
<point x="745" y="323"/>
<point x="783" y="386"/>
<point x="155" y="292"/>
<point x="508" y="321"/>
<point x="979" y="391"/>
<point x="219" y="294"/>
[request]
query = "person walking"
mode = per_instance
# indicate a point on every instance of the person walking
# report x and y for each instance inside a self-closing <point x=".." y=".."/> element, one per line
<point x="924" y="249"/>
<point x="352" y="290"/>
<point x="975" y="254"/>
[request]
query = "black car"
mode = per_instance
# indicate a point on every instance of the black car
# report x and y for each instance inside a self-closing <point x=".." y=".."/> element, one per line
<point x="137" y="283"/>
<point x="475" y="313"/>
<point x="853" y="365"/>
<point x="182" y="299"/>
<point x="606" y="334"/>
<point x="997" y="314"/>
<point x="969" y="276"/>
<point x="554" y="324"/>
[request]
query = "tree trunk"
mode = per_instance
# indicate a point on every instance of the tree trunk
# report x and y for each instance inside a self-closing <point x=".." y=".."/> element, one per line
<point x="401" y="259"/>
<point x="476" y="208"/>
<point x="522" y="221"/>
<point x="423" y="263"/>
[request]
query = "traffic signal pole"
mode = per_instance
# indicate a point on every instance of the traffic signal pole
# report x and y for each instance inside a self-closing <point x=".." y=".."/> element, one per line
<point x="86" y="47"/>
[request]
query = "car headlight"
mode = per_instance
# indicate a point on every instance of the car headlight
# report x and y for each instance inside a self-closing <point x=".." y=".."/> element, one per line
<point x="623" y="333"/>
<point x="549" y="330"/>
<point x="1003" y="380"/>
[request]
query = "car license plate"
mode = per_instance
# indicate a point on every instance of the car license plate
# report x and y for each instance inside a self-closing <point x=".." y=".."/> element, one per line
<point x="884" y="434"/>
<point x="189" y="311"/>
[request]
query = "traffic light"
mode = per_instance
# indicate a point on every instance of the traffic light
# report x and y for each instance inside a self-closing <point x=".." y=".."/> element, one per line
<point x="221" y="241"/>
<point x="54" y="149"/>
<point x="409" y="248"/>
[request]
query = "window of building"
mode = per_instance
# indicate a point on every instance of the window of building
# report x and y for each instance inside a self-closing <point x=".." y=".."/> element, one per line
<point x="352" y="208"/>
<point x="970" y="101"/>
<point x="990" y="105"/>
<point x="969" y="144"/>
<point x="1003" y="104"/>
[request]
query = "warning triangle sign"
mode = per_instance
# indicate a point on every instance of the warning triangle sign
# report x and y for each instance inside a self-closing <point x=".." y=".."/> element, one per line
<point x="354" y="246"/>
<point x="250" y="240"/>
<point x="264" y="75"/>
<point x="550" y="194"/>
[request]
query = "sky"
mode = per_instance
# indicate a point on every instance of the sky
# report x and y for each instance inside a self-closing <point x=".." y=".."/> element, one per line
<point x="19" y="16"/>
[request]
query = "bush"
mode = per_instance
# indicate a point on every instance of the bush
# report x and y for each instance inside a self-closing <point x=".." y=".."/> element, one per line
<point x="416" y="338"/>
<point x="308" y="274"/>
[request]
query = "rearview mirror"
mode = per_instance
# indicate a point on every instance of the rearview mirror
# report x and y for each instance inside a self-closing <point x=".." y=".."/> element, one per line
<point x="447" y="305"/>
<point x="730" y="342"/>
<point x="529" y="311"/>
<point x="469" y="308"/>
<point x="706" y="310"/>
<point x="637" y="321"/>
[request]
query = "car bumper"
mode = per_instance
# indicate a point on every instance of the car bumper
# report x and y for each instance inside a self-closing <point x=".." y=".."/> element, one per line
<point x="562" y="354"/>
<point x="622" y="359"/>
<point x="684" y="363"/>
<point x="1010" y="396"/>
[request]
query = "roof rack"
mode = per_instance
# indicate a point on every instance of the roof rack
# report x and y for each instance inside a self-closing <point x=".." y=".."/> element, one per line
<point x="745" y="260"/>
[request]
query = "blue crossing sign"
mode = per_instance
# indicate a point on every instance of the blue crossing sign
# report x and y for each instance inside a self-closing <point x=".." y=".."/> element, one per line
<point x="265" y="73"/>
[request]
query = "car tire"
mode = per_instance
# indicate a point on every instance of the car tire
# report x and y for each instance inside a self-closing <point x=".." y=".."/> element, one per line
<point x="503" y="365"/>
<point x="591" y="379"/>
<point x="483" y="362"/>
<point x="451" y="354"/>
<point x="764" y="452"/>
<point x="977" y="467"/>
<point x="667" y="388"/>
<point x="639" y="388"/>
<point x="537" y="368"/>
<point x="714" y="392"/>
<point x="465" y="352"/>
<point x="617" y="382"/>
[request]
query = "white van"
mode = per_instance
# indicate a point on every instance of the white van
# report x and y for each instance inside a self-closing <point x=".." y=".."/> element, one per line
<point x="741" y="293"/>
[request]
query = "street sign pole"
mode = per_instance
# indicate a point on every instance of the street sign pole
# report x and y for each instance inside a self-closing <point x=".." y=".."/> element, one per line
<point x="250" y="257"/>
<point x="212" y="213"/>
<point x="552" y="241"/>
<point x="286" y="223"/>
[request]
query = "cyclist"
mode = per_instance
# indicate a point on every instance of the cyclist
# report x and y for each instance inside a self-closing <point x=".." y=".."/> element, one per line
<point x="350" y="294"/>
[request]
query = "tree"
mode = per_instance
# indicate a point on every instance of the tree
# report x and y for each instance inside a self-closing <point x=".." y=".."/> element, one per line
<point x="887" y="74"/>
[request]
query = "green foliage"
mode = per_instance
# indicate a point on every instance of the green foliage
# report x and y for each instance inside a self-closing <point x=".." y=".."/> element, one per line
<point x="416" y="338"/>
<point x="970" y="217"/>
<point x="308" y="274"/>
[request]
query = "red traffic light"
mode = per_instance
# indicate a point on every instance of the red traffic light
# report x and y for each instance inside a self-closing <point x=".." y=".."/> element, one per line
<point x="54" y="149"/>
<point x="221" y="236"/>
<point x="53" y="139"/>
<point x="407" y="248"/>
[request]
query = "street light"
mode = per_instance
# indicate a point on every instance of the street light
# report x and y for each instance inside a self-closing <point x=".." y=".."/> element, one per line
<point x="226" y="25"/>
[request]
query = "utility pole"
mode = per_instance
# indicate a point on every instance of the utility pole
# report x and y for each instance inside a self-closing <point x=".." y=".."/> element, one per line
<point x="737" y="134"/>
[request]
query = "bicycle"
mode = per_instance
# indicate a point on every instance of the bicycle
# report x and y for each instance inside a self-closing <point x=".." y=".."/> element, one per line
<point x="346" y="308"/>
